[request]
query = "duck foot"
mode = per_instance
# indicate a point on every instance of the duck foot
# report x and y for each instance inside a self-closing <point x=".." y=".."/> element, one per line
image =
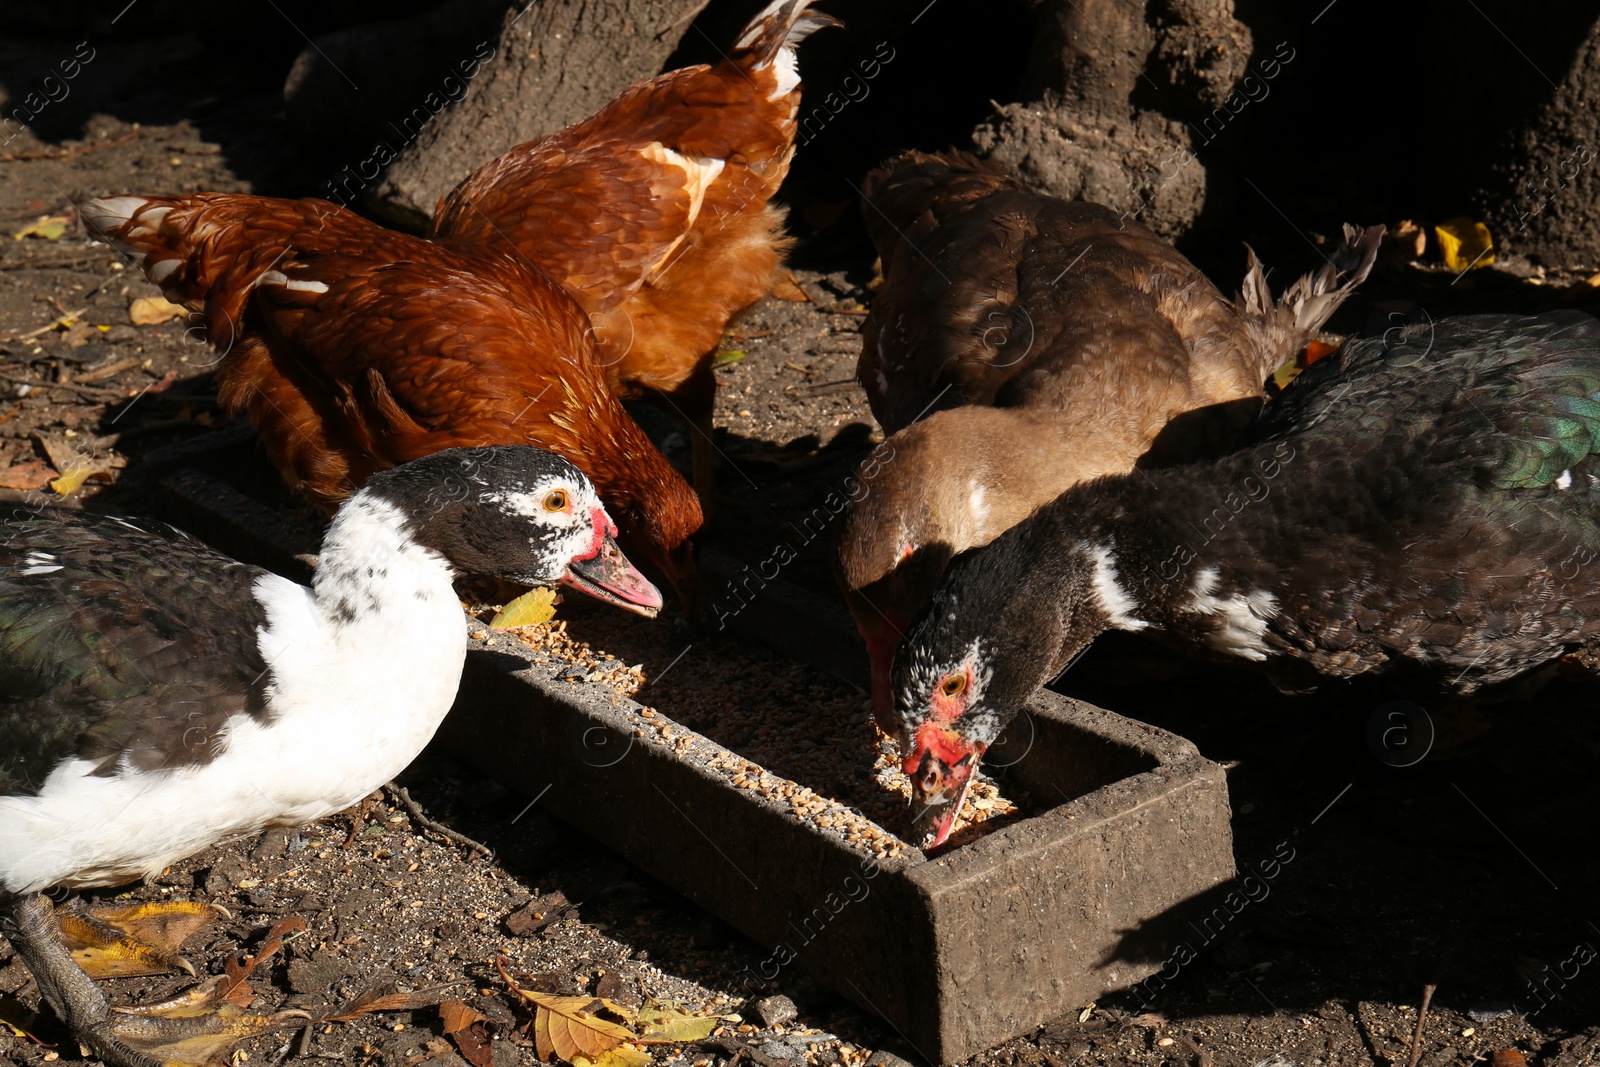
<point x="132" y="940"/>
<point x="184" y="1031"/>
<point x="193" y="1028"/>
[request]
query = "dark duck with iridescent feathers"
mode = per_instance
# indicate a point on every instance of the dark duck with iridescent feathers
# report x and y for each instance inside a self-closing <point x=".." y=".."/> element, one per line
<point x="156" y="697"/>
<point x="1425" y="502"/>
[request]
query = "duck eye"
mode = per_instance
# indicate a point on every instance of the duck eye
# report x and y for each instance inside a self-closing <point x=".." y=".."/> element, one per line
<point x="953" y="686"/>
<point x="555" y="500"/>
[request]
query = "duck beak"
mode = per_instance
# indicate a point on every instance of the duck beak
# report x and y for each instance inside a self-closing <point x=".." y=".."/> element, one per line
<point x="940" y="766"/>
<point x="607" y="575"/>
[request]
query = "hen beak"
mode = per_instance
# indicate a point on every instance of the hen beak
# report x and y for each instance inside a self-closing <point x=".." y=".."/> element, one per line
<point x="607" y="575"/>
<point x="939" y="784"/>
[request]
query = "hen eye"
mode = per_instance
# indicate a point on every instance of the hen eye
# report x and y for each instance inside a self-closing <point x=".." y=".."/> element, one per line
<point x="953" y="686"/>
<point x="555" y="500"/>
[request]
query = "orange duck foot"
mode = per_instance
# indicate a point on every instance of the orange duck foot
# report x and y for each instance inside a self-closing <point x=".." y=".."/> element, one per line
<point x="189" y="1030"/>
<point x="194" y="1028"/>
<point x="132" y="940"/>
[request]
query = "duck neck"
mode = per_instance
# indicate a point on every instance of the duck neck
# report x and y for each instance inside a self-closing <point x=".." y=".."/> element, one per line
<point x="1159" y="543"/>
<point x="372" y="575"/>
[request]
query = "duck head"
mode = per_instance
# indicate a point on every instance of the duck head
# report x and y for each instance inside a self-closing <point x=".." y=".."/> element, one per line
<point x="517" y="513"/>
<point x="1003" y="623"/>
<point x="956" y="480"/>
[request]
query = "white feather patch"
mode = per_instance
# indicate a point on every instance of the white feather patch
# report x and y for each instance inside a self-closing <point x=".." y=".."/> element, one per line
<point x="160" y="272"/>
<point x="1115" y="602"/>
<point x="753" y="29"/>
<point x="299" y="285"/>
<point x="1244" y="616"/>
<point x="111" y="211"/>
<point x="699" y="172"/>
<point x="787" y="71"/>
<point x="976" y="501"/>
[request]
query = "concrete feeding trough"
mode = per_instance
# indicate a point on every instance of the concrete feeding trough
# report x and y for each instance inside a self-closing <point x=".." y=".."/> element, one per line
<point x="959" y="952"/>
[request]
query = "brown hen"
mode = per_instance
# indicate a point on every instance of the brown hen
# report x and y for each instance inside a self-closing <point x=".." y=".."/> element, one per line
<point x="1021" y="345"/>
<point x="655" y="213"/>
<point x="354" y="348"/>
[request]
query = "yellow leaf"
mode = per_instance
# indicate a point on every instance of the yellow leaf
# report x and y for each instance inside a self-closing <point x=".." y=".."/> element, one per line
<point x="621" y="1056"/>
<point x="567" y="1027"/>
<point x="70" y="481"/>
<point x="529" y="609"/>
<point x="151" y="310"/>
<point x="564" y="1026"/>
<point x="1465" y="244"/>
<point x="46" y="227"/>
<point x="662" y="1022"/>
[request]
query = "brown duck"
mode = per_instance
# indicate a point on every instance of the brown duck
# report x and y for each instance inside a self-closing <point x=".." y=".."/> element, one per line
<point x="1021" y="345"/>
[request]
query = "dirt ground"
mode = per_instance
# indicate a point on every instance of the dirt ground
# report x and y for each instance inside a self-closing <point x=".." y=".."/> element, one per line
<point x="1472" y="870"/>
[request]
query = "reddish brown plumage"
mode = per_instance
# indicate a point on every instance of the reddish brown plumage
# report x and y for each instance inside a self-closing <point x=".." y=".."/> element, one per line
<point x="608" y="207"/>
<point x="354" y="348"/>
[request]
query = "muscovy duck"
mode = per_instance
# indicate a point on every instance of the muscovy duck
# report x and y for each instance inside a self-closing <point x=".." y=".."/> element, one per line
<point x="1022" y="344"/>
<point x="1427" y="501"/>
<point x="156" y="696"/>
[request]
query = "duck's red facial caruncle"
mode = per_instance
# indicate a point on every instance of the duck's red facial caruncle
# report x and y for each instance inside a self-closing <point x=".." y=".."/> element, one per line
<point x="940" y="760"/>
<point x="602" y="571"/>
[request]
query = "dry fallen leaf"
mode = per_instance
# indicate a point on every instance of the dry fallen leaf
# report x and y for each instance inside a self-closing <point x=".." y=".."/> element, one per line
<point x="152" y="310"/>
<point x="45" y="227"/>
<point x="1465" y="244"/>
<point x="79" y="334"/>
<point x="386" y="998"/>
<point x="456" y="1015"/>
<point x="1313" y="351"/>
<point x="529" y="609"/>
<point x="470" y="1030"/>
<point x="569" y="1028"/>
<point x="1409" y="238"/>
<point x="786" y="287"/>
<point x="665" y="1021"/>
<point x="73" y="477"/>
<point x="235" y="988"/>
<point x="621" y="1056"/>
<point x="30" y="475"/>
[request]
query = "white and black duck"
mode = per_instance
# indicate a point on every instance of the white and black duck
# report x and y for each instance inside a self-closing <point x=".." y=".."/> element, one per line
<point x="156" y="697"/>
<point x="1425" y="502"/>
